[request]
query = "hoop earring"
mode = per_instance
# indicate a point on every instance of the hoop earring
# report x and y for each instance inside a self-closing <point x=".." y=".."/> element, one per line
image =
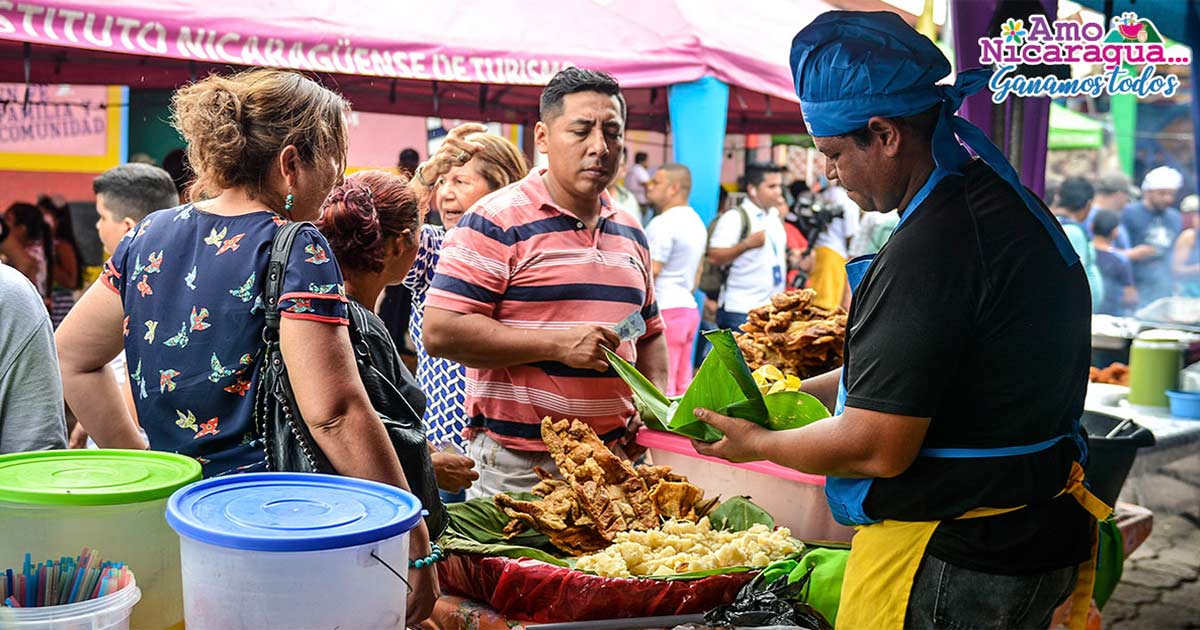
<point x="287" y="203"/>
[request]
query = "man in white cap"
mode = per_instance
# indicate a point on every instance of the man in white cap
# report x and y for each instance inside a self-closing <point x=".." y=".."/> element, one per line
<point x="1153" y="225"/>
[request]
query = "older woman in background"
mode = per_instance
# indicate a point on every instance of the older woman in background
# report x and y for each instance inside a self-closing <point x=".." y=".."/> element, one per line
<point x="470" y="164"/>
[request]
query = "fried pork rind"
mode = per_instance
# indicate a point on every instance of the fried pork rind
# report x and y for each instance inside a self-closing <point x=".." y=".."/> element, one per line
<point x="794" y="335"/>
<point x="601" y="496"/>
<point x="557" y="517"/>
<point x="676" y="499"/>
<point x="608" y="488"/>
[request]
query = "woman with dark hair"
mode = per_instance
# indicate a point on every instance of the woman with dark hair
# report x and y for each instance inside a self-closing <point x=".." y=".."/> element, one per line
<point x="183" y="294"/>
<point x="372" y="222"/>
<point x="33" y="235"/>
<point x="469" y="165"/>
<point x="67" y="275"/>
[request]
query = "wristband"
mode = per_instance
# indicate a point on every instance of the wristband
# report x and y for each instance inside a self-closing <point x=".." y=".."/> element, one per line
<point x="437" y="555"/>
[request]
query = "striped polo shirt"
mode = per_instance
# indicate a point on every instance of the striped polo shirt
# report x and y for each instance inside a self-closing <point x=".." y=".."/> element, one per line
<point x="525" y="262"/>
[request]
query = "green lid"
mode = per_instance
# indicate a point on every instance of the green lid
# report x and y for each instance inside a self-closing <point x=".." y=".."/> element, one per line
<point x="93" y="477"/>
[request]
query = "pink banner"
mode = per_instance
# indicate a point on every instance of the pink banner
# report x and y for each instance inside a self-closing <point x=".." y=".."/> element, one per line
<point x="382" y="41"/>
<point x="508" y="42"/>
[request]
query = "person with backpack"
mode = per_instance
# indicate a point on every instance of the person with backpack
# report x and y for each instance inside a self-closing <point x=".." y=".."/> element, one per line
<point x="747" y="249"/>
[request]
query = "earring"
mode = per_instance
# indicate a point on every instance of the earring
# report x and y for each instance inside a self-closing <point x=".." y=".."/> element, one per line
<point x="287" y="203"/>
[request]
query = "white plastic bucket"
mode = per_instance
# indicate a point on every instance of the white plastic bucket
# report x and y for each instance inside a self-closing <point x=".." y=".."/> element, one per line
<point x="295" y="551"/>
<point x="110" y="612"/>
<point x="227" y="589"/>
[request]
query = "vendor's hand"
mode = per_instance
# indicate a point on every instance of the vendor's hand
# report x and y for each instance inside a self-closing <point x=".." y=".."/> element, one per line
<point x="741" y="441"/>
<point x="756" y="240"/>
<point x="582" y="347"/>
<point x="454" y="472"/>
<point x="452" y="152"/>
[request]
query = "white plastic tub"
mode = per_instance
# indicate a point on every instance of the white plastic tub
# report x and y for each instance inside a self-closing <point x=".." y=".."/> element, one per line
<point x="295" y="551"/>
<point x="796" y="500"/>
<point x="110" y="612"/>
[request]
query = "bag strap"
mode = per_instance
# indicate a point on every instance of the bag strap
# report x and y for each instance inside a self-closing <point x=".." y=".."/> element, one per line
<point x="712" y="227"/>
<point x="281" y="251"/>
<point x="358" y="323"/>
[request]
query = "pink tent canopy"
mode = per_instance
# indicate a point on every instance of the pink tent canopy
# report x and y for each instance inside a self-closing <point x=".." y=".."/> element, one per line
<point x="458" y="59"/>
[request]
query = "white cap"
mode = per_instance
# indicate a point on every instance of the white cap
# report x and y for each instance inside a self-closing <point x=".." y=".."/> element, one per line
<point x="1163" y="178"/>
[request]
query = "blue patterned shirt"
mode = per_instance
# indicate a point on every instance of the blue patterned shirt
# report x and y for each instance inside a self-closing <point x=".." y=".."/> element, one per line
<point x="442" y="380"/>
<point x="191" y="285"/>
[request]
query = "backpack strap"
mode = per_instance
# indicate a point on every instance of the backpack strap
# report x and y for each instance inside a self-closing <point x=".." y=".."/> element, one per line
<point x="745" y="222"/>
<point x="281" y="251"/>
<point x="712" y="227"/>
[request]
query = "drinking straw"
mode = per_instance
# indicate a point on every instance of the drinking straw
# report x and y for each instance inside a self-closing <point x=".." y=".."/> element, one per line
<point x="41" y="585"/>
<point x="77" y="582"/>
<point x="63" y="581"/>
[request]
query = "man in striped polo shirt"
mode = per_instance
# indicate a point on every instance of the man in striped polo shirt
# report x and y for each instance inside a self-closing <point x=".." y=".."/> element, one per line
<point x="531" y="284"/>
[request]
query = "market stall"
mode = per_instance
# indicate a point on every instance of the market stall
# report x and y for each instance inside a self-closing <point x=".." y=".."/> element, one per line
<point x="683" y="66"/>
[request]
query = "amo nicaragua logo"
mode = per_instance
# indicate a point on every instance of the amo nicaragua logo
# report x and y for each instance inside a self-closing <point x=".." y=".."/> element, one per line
<point x="1129" y="43"/>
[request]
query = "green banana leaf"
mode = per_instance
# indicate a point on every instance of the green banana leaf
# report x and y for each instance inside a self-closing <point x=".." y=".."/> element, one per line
<point x="452" y="541"/>
<point x="476" y="526"/>
<point x="652" y="404"/>
<point x="739" y="514"/>
<point x="792" y="410"/>
<point x="723" y="384"/>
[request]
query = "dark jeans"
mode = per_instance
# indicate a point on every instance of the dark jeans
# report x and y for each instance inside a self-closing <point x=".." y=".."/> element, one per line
<point x="948" y="597"/>
<point x="731" y="320"/>
<point x="725" y="319"/>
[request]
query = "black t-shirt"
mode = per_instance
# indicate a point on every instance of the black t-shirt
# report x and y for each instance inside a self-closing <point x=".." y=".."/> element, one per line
<point x="969" y="316"/>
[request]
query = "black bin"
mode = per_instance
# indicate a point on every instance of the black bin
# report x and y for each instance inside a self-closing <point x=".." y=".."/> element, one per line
<point x="1110" y="458"/>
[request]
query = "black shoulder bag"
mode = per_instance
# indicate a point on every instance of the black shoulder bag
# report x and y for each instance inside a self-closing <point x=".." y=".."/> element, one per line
<point x="289" y="444"/>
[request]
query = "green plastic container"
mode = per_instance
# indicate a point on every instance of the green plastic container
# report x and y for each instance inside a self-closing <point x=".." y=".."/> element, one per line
<point x="1154" y="365"/>
<point x="55" y="503"/>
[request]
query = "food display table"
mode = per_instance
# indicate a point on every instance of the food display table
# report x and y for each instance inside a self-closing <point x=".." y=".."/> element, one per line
<point x="458" y="613"/>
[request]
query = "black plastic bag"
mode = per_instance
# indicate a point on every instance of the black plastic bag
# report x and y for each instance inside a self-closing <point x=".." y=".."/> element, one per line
<point x="778" y="604"/>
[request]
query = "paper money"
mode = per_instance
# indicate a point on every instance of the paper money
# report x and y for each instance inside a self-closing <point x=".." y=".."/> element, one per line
<point x="632" y="327"/>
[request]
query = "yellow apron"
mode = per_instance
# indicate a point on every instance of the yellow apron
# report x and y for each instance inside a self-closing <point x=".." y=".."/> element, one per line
<point x="885" y="556"/>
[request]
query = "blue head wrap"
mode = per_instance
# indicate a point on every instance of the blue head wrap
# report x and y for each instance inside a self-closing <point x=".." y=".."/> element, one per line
<point x="849" y="66"/>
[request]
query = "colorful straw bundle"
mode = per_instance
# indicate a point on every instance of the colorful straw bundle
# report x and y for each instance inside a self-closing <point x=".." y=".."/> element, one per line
<point x="67" y="581"/>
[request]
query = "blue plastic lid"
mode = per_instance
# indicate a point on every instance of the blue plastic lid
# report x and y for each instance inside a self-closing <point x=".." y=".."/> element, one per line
<point x="291" y="511"/>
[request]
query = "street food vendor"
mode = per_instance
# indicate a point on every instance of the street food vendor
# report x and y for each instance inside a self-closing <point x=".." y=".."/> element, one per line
<point x="955" y="442"/>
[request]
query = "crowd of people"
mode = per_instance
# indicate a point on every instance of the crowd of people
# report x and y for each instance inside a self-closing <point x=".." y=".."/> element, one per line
<point x="515" y="280"/>
<point x="1136" y="245"/>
